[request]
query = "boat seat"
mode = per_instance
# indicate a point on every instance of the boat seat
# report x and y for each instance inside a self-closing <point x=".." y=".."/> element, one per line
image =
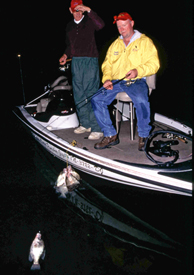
<point x="122" y="99"/>
<point x="42" y="105"/>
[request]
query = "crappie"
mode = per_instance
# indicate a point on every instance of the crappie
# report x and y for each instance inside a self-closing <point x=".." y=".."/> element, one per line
<point x="67" y="181"/>
<point x="62" y="178"/>
<point x="61" y="186"/>
<point x="73" y="178"/>
<point x="37" y="250"/>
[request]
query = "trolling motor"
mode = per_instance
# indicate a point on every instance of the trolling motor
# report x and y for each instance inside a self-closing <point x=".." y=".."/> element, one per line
<point x="162" y="148"/>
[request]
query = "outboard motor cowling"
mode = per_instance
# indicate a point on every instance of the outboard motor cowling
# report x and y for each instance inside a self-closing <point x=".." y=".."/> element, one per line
<point x="60" y="102"/>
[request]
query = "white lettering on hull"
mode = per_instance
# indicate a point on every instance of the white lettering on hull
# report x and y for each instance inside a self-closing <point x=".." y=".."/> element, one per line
<point x="85" y="207"/>
<point x="66" y="157"/>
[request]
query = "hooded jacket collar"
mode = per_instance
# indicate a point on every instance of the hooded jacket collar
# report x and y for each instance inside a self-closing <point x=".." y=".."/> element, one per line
<point x="135" y="36"/>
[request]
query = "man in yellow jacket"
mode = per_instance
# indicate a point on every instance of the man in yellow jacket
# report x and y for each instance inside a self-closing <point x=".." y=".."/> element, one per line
<point x="132" y="56"/>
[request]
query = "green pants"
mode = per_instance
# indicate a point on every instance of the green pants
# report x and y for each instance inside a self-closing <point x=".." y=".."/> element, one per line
<point x="85" y="82"/>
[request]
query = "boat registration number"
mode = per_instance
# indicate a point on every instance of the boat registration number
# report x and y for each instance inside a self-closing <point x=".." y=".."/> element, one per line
<point x="85" y="206"/>
<point x="66" y="157"/>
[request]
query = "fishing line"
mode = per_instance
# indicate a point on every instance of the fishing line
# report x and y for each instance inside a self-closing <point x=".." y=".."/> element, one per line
<point x="73" y="143"/>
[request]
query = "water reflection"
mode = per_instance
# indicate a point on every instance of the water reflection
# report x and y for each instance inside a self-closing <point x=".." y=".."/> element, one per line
<point x="115" y="235"/>
<point x="119" y="222"/>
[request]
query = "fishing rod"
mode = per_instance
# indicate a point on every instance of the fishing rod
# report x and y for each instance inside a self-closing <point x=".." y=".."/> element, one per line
<point x="48" y="91"/>
<point x="102" y="89"/>
<point x="21" y="75"/>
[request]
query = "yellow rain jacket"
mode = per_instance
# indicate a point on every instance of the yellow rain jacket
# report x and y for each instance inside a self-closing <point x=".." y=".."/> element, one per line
<point x="140" y="54"/>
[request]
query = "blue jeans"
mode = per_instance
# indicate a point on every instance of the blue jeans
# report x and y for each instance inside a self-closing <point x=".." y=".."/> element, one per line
<point x="137" y="91"/>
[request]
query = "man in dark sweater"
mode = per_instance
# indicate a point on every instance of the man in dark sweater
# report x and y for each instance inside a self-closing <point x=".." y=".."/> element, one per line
<point x="81" y="47"/>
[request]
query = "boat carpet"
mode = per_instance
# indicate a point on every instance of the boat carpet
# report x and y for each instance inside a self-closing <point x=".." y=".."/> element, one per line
<point x="126" y="150"/>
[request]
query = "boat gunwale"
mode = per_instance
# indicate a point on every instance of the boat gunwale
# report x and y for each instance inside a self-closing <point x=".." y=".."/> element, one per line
<point x="105" y="163"/>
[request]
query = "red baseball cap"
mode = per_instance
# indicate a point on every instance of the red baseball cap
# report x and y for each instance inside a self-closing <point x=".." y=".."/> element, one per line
<point x="75" y="3"/>
<point x="122" y="16"/>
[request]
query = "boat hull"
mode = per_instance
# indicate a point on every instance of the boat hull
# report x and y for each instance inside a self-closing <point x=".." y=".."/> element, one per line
<point x="146" y="177"/>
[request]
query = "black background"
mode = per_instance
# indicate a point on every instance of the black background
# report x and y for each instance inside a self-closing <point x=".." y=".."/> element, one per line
<point x="37" y="32"/>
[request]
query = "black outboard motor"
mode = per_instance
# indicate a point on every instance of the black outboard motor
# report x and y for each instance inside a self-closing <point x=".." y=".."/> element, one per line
<point x="60" y="101"/>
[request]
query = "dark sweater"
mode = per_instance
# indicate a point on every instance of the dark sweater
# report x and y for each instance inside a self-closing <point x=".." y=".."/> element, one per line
<point x="80" y="38"/>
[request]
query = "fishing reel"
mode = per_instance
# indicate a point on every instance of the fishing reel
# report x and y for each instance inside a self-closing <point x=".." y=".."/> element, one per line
<point x="64" y="68"/>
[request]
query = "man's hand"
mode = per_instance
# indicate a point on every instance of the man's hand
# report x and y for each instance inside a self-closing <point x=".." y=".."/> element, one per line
<point x="132" y="74"/>
<point x="82" y="8"/>
<point x="108" y="85"/>
<point x="63" y="59"/>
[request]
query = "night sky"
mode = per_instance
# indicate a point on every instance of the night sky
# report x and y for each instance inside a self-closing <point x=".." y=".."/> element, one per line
<point x="37" y="32"/>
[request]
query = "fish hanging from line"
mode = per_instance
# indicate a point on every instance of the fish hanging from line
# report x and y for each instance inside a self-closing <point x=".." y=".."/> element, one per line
<point x="37" y="251"/>
<point x="73" y="178"/>
<point x="60" y="185"/>
<point x="67" y="181"/>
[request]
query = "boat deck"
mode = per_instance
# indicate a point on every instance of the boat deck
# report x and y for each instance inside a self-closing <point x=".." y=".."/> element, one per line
<point x="127" y="149"/>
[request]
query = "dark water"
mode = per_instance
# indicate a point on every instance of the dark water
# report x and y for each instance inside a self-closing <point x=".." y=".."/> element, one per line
<point x="75" y="243"/>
